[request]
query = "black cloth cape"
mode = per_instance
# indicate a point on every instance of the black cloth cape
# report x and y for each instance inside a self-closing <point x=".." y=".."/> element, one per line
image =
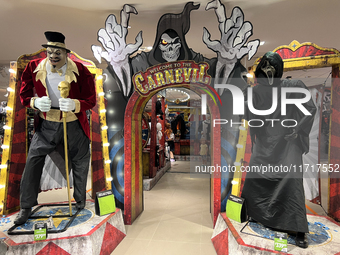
<point x="276" y="198"/>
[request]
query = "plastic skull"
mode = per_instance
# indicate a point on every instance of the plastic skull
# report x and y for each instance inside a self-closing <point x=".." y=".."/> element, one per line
<point x="170" y="47"/>
<point x="269" y="70"/>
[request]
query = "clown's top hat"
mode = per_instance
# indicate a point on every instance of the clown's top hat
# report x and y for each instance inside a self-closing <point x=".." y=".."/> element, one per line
<point x="55" y="40"/>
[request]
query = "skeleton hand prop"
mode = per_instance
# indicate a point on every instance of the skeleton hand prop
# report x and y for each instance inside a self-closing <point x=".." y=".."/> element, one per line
<point x="232" y="45"/>
<point x="117" y="52"/>
<point x="43" y="104"/>
<point x="66" y="104"/>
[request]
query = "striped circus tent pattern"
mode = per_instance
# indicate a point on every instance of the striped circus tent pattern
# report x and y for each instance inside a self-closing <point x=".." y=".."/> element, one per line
<point x="52" y="178"/>
<point x="311" y="175"/>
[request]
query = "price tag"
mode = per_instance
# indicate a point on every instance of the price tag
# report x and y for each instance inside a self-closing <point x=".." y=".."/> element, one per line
<point x="105" y="202"/>
<point x="40" y="231"/>
<point x="280" y="242"/>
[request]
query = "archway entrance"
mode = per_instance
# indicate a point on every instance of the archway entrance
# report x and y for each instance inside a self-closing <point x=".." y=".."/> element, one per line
<point x="133" y="169"/>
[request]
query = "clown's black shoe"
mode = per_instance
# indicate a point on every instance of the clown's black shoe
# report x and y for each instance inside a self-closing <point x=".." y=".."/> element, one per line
<point x="23" y="216"/>
<point x="80" y="205"/>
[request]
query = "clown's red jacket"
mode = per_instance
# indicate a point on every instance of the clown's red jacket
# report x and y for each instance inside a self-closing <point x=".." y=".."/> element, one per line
<point x="82" y="91"/>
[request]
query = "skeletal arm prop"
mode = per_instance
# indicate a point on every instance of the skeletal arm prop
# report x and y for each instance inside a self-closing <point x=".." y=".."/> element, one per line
<point x="233" y="44"/>
<point x="116" y="51"/>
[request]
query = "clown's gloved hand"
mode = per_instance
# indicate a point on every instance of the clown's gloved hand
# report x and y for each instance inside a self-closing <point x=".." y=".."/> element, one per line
<point x="66" y="104"/>
<point x="43" y="103"/>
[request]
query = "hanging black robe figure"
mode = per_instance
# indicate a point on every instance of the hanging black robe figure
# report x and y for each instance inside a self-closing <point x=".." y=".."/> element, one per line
<point x="276" y="198"/>
<point x="179" y="122"/>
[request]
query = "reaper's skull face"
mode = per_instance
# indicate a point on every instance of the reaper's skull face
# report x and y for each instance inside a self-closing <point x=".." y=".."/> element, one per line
<point x="269" y="70"/>
<point x="170" y="47"/>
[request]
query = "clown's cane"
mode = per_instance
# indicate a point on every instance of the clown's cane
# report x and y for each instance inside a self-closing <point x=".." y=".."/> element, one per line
<point x="64" y="88"/>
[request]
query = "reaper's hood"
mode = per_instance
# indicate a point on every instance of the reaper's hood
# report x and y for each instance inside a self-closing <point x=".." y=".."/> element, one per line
<point x="180" y="23"/>
<point x="276" y="61"/>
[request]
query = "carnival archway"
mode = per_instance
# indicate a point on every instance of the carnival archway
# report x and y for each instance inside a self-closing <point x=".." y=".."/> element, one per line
<point x="133" y="169"/>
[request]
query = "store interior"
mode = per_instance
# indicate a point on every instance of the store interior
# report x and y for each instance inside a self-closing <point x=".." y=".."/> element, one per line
<point x="176" y="212"/>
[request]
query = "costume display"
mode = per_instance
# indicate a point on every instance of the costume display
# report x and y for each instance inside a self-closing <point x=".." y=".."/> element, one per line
<point x="39" y="90"/>
<point x="169" y="138"/>
<point x="204" y="151"/>
<point x="276" y="198"/>
<point x="178" y="126"/>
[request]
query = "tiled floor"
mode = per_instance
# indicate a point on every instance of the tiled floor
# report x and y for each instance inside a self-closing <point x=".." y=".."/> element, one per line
<point x="176" y="218"/>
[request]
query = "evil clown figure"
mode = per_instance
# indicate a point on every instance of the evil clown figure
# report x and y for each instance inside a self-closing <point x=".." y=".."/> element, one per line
<point x="170" y="45"/>
<point x="276" y="198"/>
<point x="41" y="81"/>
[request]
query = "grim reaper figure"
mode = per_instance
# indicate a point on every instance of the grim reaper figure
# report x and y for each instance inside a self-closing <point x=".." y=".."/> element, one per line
<point x="170" y="45"/>
<point x="275" y="197"/>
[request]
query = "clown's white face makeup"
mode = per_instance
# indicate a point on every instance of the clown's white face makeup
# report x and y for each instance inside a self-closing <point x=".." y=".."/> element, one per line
<point x="56" y="57"/>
